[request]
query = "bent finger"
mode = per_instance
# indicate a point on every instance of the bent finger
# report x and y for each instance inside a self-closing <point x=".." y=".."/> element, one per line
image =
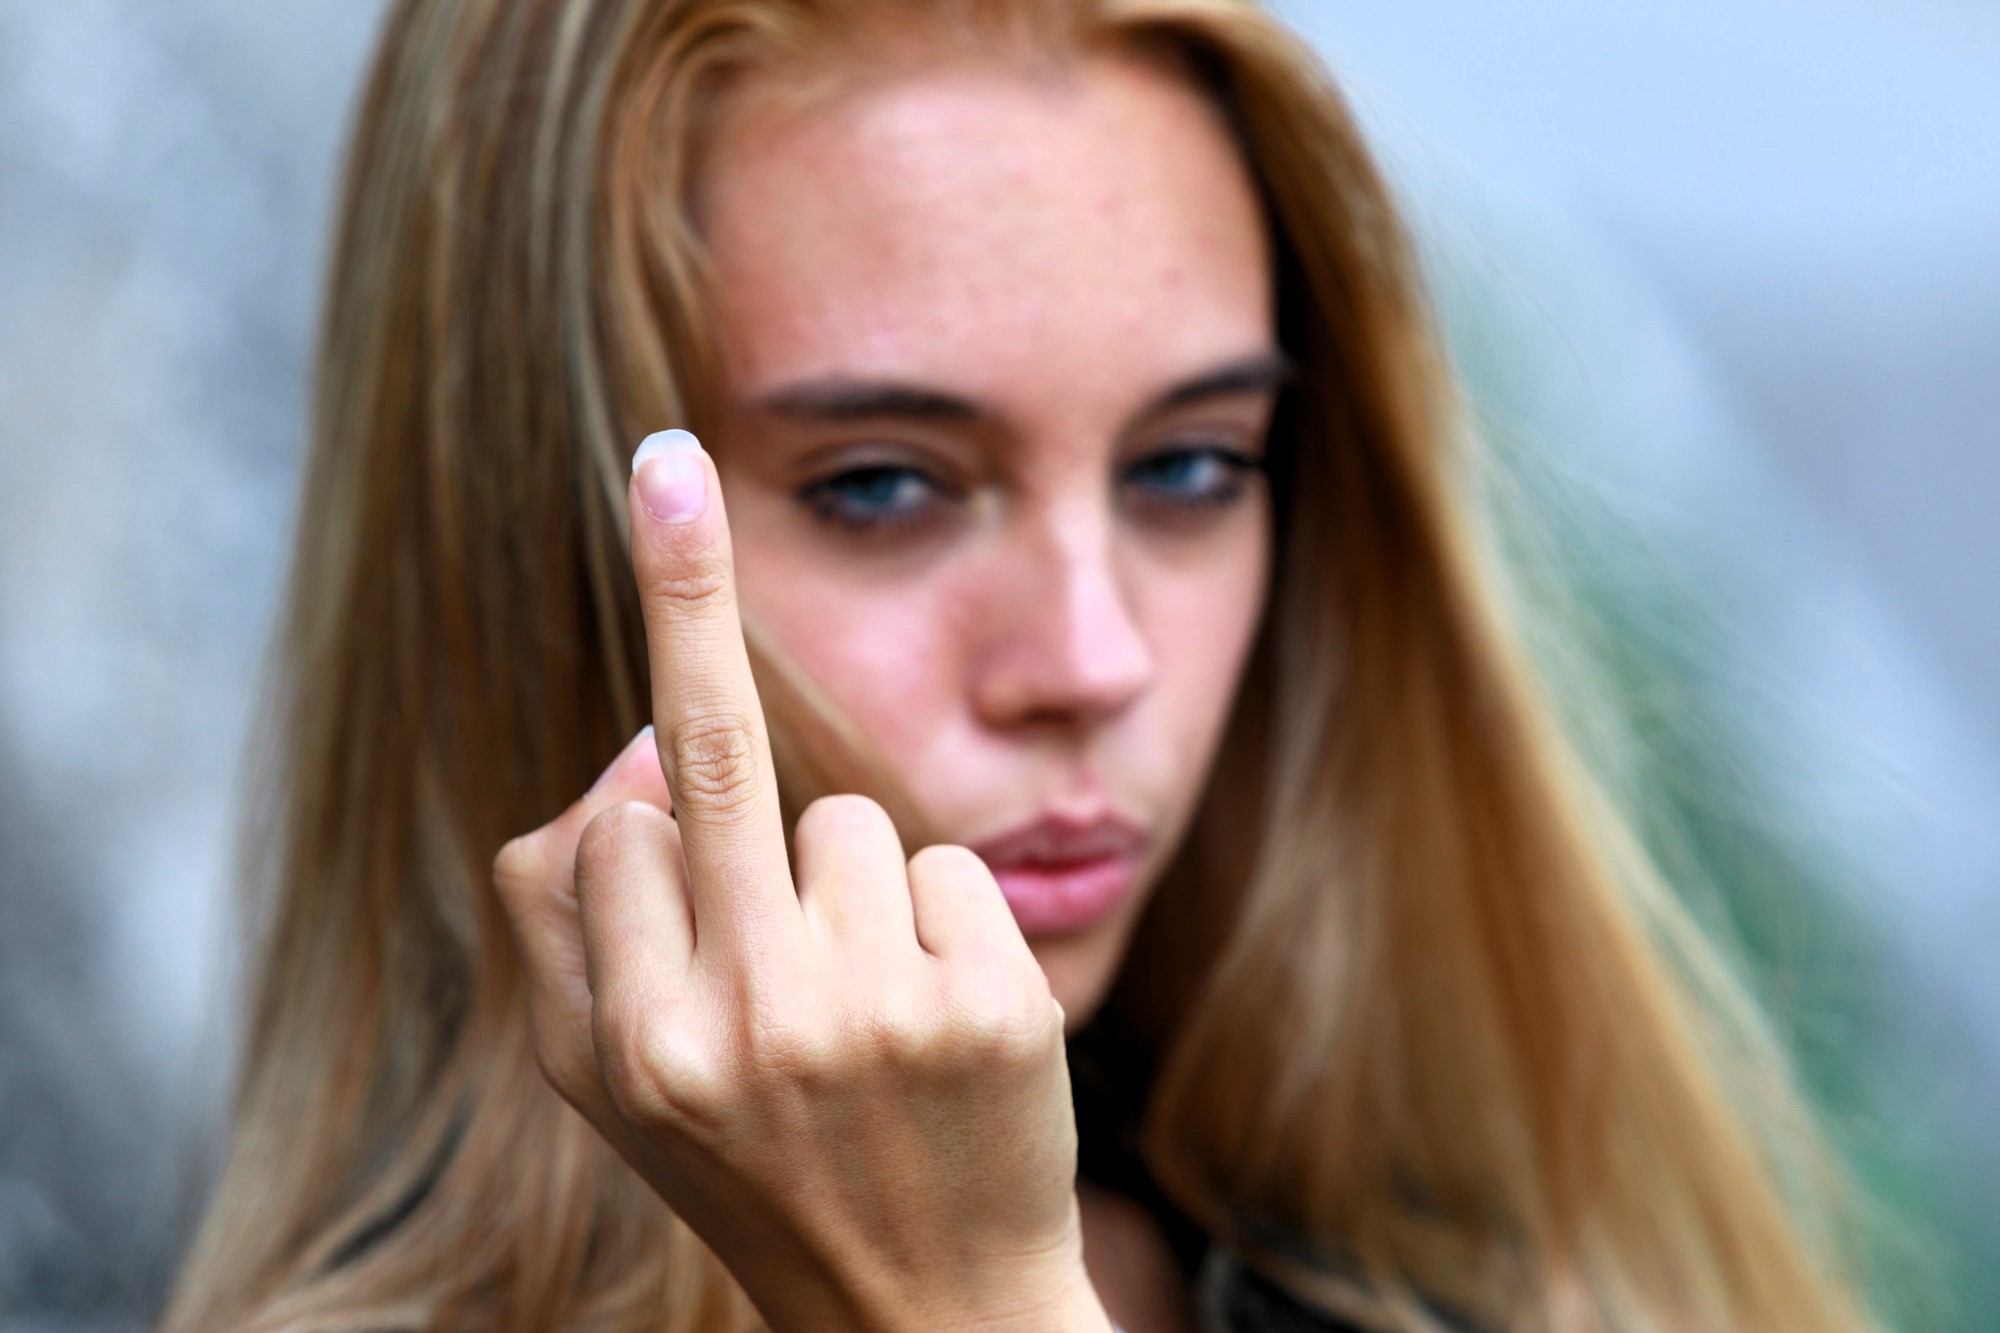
<point x="853" y="882"/>
<point x="534" y="877"/>
<point x="960" y="911"/>
<point x="638" y="930"/>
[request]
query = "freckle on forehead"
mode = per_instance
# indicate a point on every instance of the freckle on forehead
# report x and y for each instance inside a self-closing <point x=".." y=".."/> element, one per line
<point x="939" y="245"/>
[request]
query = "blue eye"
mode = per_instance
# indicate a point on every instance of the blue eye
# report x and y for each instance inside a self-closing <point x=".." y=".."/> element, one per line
<point x="1193" y="478"/>
<point x="867" y="499"/>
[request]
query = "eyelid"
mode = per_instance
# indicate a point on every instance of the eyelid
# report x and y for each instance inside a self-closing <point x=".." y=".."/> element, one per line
<point x="1239" y="423"/>
<point x="821" y="497"/>
<point x="857" y="451"/>
<point x="1231" y="472"/>
<point x="1229" y="451"/>
<point x="1248" y="413"/>
<point x="945" y="486"/>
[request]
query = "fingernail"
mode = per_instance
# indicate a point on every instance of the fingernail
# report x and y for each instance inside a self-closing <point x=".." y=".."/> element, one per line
<point x="671" y="484"/>
<point x="645" y="735"/>
<point x="665" y="442"/>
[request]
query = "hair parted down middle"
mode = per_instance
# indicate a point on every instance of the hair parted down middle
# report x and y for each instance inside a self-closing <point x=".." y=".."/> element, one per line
<point x="1423" y="1008"/>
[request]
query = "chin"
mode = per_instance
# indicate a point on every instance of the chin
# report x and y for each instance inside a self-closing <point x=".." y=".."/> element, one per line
<point x="1081" y="967"/>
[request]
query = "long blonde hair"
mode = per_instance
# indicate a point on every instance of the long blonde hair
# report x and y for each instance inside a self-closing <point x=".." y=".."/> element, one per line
<point x="1426" y="1017"/>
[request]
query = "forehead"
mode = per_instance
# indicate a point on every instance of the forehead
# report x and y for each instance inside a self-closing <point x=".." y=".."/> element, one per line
<point x="975" y="226"/>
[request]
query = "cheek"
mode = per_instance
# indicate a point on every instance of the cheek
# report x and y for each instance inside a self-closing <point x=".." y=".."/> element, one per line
<point x="891" y="657"/>
<point x="1200" y="618"/>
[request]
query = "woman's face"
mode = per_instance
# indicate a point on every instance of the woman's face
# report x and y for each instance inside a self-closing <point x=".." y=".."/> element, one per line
<point x="999" y="358"/>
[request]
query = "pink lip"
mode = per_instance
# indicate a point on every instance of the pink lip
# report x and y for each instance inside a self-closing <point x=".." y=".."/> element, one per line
<point x="1061" y="875"/>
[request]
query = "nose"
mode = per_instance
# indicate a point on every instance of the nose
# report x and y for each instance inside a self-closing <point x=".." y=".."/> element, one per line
<point x="1064" y="647"/>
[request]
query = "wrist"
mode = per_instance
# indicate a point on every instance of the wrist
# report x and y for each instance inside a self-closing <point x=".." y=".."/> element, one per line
<point x="1065" y="1302"/>
<point x="1071" y="1305"/>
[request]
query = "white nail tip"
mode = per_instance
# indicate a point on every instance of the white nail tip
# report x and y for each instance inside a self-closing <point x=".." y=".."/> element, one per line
<point x="664" y="442"/>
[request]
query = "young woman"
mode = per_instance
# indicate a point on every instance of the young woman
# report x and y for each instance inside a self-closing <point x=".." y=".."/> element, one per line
<point x="1080" y="508"/>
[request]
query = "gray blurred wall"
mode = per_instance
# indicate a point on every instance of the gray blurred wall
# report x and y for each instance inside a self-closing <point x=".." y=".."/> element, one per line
<point x="164" y="182"/>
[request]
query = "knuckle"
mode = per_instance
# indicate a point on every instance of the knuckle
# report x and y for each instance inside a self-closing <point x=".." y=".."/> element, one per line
<point x="638" y="1098"/>
<point x="517" y="869"/>
<point x="919" y="1041"/>
<point x="699" y="583"/>
<point x="652" y="1078"/>
<point x="715" y="761"/>
<point x="609" y="838"/>
<point x="947" y="863"/>
<point x="1008" y="1023"/>
<point x="842" y="817"/>
<point x="641" y="1095"/>
<point x="624" y="1060"/>
<point x="557" y="1063"/>
<point x="954" y="1032"/>
<point x="1019" y="1041"/>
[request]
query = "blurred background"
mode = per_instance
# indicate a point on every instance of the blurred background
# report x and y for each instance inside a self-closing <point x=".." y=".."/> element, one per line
<point x="1722" y="278"/>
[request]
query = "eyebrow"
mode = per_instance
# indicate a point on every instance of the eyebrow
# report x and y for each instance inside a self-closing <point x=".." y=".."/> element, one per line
<point x="839" y="398"/>
<point x="1259" y="373"/>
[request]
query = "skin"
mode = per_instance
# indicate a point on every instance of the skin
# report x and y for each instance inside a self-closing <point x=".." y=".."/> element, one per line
<point x="1031" y="573"/>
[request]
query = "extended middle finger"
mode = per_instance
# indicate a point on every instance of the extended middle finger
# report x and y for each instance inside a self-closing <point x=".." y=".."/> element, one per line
<point x="713" y="744"/>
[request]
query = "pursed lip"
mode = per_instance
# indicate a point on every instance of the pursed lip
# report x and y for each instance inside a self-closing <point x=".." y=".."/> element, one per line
<point x="1054" y="840"/>
<point x="1060" y="875"/>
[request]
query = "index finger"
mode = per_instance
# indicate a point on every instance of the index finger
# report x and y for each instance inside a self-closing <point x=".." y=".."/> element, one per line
<point x="714" y="748"/>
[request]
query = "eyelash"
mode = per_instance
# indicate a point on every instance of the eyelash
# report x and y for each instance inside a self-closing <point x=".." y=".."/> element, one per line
<point x="1233" y="465"/>
<point x="830" y="498"/>
<point x="831" y="506"/>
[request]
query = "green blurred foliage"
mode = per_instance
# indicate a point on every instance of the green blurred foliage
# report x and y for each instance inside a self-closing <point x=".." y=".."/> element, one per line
<point x="1693" y="728"/>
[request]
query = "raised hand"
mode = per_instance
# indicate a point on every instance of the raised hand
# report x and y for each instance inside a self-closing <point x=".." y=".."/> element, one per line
<point x="852" y="1085"/>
